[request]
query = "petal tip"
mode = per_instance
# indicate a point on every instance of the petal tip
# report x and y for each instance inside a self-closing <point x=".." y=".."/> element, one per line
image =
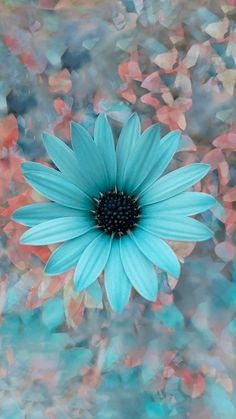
<point x="177" y="140"/>
<point x="211" y="234"/>
<point x="133" y="116"/>
<point x="178" y="134"/>
<point x="48" y="271"/>
<point x="14" y="215"/>
<point x="208" y="234"/>
<point x="73" y="126"/>
<point x="102" y="115"/>
<point x="78" y="287"/>
<point x="177" y="274"/>
<point x="23" y="239"/>
<point x="25" y="166"/>
<point x="30" y="167"/>
<point x="27" y="175"/>
<point x="151" y="298"/>
<point x="212" y="201"/>
<point x="46" y="138"/>
<point x="118" y="310"/>
<point x="117" y="307"/>
<point x="206" y="166"/>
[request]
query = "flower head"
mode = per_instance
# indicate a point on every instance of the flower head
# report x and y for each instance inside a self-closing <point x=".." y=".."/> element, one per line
<point x="111" y="209"/>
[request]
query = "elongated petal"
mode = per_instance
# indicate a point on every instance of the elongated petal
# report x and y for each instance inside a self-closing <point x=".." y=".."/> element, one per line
<point x="168" y="147"/>
<point x="63" y="157"/>
<point x="129" y="137"/>
<point x="34" y="214"/>
<point x="92" y="262"/>
<point x="29" y="166"/>
<point x="54" y="186"/>
<point x="187" y="203"/>
<point x="103" y="138"/>
<point x="66" y="256"/>
<point x="144" y="156"/>
<point x="89" y="158"/>
<point x="157" y="251"/>
<point x="174" y="183"/>
<point x="58" y="230"/>
<point x="138" y="269"/>
<point x="177" y="228"/>
<point x="117" y="284"/>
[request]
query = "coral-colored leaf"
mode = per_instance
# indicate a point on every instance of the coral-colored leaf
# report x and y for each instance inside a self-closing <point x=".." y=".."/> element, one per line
<point x="60" y="83"/>
<point x="9" y="133"/>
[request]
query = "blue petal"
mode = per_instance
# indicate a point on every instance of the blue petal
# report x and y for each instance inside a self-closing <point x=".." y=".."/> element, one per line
<point x="90" y="161"/>
<point x="103" y="137"/>
<point x="186" y="203"/>
<point x="34" y="214"/>
<point x="128" y="138"/>
<point x="92" y="262"/>
<point x="138" y="269"/>
<point x="168" y="147"/>
<point x="144" y="156"/>
<point x="54" y="186"/>
<point x="66" y="256"/>
<point x="117" y="284"/>
<point x="58" y="230"/>
<point x="176" y="228"/>
<point x="174" y="183"/>
<point x="63" y="157"/>
<point x="157" y="251"/>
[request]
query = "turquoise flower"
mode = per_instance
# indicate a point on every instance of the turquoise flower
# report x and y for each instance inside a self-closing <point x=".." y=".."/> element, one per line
<point x="112" y="209"/>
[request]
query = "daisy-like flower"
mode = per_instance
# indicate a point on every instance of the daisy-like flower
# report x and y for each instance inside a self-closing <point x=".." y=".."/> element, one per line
<point x="112" y="209"/>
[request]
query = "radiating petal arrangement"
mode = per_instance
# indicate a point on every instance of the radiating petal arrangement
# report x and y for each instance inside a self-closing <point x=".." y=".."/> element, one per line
<point x="111" y="210"/>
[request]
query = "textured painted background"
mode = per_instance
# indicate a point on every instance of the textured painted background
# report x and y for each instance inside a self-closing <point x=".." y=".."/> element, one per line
<point x="65" y="355"/>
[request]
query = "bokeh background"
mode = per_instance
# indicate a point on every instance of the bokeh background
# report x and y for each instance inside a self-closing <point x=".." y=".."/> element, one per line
<point x="65" y="355"/>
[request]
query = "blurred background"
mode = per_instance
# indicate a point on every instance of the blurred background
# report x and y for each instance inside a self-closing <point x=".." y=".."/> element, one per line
<point x="66" y="355"/>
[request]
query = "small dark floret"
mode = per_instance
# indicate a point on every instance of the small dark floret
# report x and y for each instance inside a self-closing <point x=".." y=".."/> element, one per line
<point x="117" y="213"/>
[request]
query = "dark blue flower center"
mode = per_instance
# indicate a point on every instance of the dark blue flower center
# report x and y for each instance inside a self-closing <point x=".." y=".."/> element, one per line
<point x="117" y="213"/>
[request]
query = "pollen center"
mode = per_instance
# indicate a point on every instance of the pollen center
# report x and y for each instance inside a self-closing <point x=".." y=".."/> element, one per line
<point x="116" y="212"/>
